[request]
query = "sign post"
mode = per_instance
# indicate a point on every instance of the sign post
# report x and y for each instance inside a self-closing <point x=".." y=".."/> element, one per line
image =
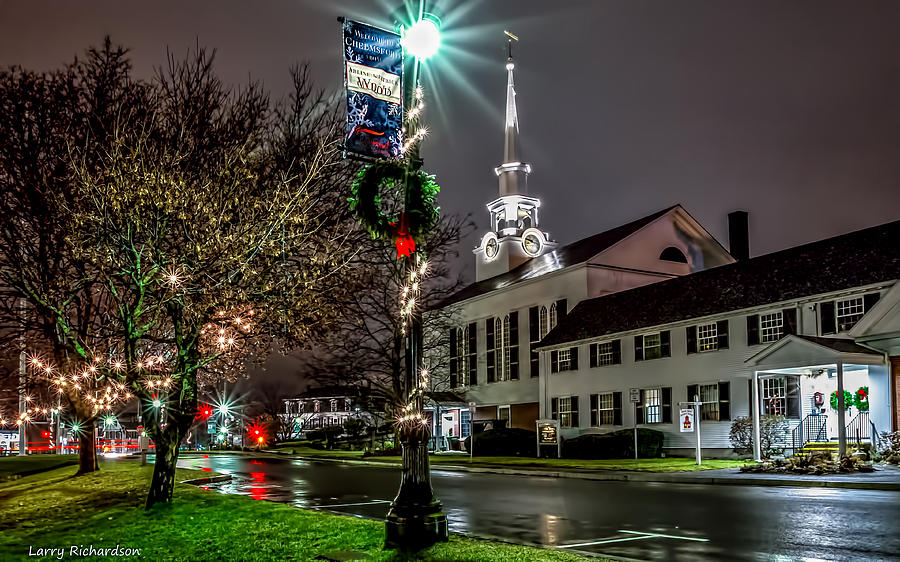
<point x="689" y="420"/>
<point x="471" y="431"/>
<point x="634" y="395"/>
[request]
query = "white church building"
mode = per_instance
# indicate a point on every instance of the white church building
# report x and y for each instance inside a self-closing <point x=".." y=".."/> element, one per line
<point x="659" y="310"/>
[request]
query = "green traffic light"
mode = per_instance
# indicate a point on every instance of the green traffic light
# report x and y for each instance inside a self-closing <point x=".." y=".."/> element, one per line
<point x="423" y="39"/>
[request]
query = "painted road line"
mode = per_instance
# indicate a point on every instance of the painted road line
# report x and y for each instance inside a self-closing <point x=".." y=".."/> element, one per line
<point x="638" y="538"/>
<point x="664" y="536"/>
<point x="603" y="541"/>
<point x="353" y="504"/>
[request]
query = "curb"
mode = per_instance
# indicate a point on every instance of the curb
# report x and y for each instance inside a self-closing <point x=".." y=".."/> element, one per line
<point x="208" y="480"/>
<point x="663" y="478"/>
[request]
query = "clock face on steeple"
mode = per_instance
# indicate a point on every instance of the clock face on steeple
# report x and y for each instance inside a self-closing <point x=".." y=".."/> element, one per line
<point x="532" y="241"/>
<point x="490" y="249"/>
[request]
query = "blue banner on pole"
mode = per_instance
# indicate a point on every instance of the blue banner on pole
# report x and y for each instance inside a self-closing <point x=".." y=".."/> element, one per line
<point x="373" y="68"/>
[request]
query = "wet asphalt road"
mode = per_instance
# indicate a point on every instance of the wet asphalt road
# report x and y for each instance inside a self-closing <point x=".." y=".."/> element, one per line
<point x="635" y="520"/>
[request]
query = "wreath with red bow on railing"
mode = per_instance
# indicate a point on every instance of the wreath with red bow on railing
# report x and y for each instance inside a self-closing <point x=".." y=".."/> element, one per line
<point x="386" y="180"/>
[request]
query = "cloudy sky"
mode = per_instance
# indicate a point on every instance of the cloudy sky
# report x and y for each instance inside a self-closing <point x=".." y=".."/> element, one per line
<point x="787" y="109"/>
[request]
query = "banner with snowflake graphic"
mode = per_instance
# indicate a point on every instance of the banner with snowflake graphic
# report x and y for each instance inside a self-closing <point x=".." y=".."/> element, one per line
<point x="373" y="68"/>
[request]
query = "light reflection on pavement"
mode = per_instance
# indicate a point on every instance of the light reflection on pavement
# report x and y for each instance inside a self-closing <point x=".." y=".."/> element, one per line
<point x="637" y="520"/>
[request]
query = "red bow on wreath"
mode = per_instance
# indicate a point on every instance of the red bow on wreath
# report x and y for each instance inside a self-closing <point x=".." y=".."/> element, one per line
<point x="400" y="233"/>
<point x="862" y="393"/>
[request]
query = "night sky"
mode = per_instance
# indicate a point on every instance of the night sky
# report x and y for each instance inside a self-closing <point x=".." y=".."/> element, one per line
<point x="787" y="109"/>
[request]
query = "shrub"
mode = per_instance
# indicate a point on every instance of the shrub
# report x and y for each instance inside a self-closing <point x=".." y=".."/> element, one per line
<point x="889" y="447"/>
<point x="504" y="443"/>
<point x="389" y="451"/>
<point x="771" y="432"/>
<point x="615" y="445"/>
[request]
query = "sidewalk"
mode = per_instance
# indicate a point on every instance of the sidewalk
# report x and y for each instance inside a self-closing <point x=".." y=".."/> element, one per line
<point x="885" y="478"/>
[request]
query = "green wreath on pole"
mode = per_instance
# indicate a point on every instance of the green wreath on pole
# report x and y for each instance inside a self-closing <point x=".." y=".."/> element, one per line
<point x="387" y="179"/>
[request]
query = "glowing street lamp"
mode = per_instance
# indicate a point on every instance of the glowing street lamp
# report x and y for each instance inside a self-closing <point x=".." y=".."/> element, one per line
<point x="423" y="38"/>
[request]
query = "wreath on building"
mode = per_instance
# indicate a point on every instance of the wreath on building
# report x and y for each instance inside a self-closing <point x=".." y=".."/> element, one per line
<point x="388" y="180"/>
<point x="861" y="399"/>
<point x="848" y="400"/>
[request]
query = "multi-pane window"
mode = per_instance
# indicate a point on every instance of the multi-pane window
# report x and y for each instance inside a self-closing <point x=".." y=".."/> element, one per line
<point x="848" y="313"/>
<point x="565" y="356"/>
<point x="605" y="409"/>
<point x="652" y="401"/>
<point x="774" y="395"/>
<point x="498" y="345"/>
<point x="652" y="346"/>
<point x="605" y="354"/>
<point x="552" y="316"/>
<point x="565" y="412"/>
<point x="503" y="412"/>
<point x="707" y="337"/>
<point x="709" y="395"/>
<point x="771" y="327"/>
<point x="465" y="423"/>
<point x="461" y="356"/>
<point x="545" y="327"/>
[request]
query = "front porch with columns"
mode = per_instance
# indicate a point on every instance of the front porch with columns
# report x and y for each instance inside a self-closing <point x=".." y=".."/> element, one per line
<point x="818" y="367"/>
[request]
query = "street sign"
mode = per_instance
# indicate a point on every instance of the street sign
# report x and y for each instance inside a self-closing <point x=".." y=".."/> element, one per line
<point x="686" y="418"/>
<point x="211" y="426"/>
<point x="634" y="394"/>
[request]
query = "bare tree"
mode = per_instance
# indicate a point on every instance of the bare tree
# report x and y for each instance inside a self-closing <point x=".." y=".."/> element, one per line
<point x="365" y="353"/>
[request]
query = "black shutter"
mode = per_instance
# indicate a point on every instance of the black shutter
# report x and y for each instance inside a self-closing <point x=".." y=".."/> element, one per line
<point x="534" y="335"/>
<point x="514" y="345"/>
<point x="491" y="359"/>
<point x="574" y="411"/>
<point x="753" y="329"/>
<point x="826" y="312"/>
<point x="560" y="310"/>
<point x="594" y="420"/>
<point x="554" y="413"/>
<point x="870" y="300"/>
<point x="691" y="332"/>
<point x="638" y="348"/>
<point x="789" y="321"/>
<point x="722" y="333"/>
<point x="617" y="352"/>
<point x="639" y="409"/>
<point x="665" y="344"/>
<point x="667" y="404"/>
<point x="725" y="401"/>
<point x="617" y="408"/>
<point x="691" y="391"/>
<point x="473" y="353"/>
<point x="593" y="354"/>
<point x="793" y="397"/>
<point x="454" y="360"/>
<point x="554" y="361"/>
<point x="573" y="359"/>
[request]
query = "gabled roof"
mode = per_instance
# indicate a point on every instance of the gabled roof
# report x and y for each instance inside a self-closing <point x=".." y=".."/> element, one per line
<point x="560" y="258"/>
<point x="814" y="350"/>
<point x="864" y="257"/>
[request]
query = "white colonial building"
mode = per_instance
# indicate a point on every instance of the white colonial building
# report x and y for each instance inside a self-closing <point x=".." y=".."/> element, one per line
<point x="802" y="323"/>
<point x="526" y="283"/>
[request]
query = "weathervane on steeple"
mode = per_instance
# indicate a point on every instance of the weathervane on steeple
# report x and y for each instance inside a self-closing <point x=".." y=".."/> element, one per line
<point x="510" y="38"/>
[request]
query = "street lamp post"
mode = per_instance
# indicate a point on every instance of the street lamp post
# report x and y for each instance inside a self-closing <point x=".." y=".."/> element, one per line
<point x="415" y="520"/>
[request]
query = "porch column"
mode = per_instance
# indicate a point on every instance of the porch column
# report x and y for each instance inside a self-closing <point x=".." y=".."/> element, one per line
<point x="757" y="452"/>
<point x="841" y="415"/>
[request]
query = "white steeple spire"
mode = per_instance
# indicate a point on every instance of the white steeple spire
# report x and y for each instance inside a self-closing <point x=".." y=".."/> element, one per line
<point x="512" y="173"/>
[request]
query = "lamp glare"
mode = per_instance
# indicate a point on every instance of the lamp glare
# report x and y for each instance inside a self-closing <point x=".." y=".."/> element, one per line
<point x="422" y="39"/>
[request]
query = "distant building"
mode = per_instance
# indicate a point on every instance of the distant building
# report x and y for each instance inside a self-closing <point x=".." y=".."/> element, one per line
<point x="317" y="409"/>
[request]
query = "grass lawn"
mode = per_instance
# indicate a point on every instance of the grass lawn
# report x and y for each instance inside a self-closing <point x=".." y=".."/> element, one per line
<point x="54" y="509"/>
<point x="15" y="465"/>
<point x="646" y="465"/>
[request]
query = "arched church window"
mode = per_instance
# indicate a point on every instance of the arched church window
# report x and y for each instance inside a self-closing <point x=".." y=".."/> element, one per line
<point x="544" y="326"/>
<point x="461" y="344"/>
<point x="506" y="349"/>
<point x="498" y="345"/>
<point x="552" y="316"/>
<point x="673" y="254"/>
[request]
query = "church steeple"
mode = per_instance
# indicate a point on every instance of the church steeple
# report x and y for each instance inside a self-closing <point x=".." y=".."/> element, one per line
<point x="514" y="237"/>
<point x="513" y="173"/>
